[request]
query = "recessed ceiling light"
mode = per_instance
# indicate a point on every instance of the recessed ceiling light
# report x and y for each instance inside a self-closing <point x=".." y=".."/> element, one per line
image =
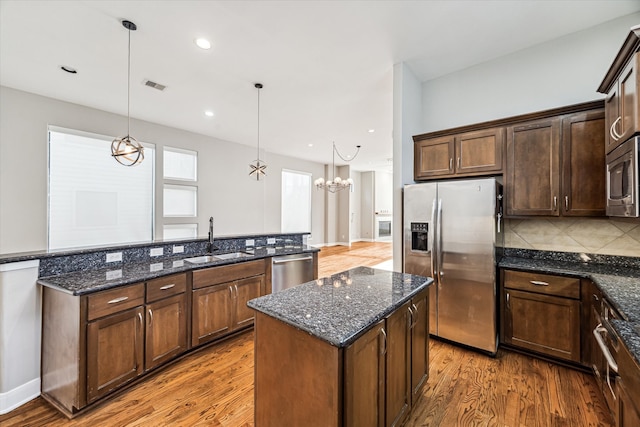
<point x="310" y="145"/>
<point x="208" y="113"/>
<point x="203" y="43"/>
<point x="69" y="70"/>
<point x="372" y="130"/>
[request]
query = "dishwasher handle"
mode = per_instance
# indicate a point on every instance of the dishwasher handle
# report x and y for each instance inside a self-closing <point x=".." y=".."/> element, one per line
<point x="282" y="261"/>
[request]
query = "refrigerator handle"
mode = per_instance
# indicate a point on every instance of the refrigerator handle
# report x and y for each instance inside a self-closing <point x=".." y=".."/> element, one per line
<point x="440" y="273"/>
<point x="499" y="222"/>
<point x="433" y="239"/>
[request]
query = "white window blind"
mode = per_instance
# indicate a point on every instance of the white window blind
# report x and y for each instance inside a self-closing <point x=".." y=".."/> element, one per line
<point x="296" y="202"/>
<point x="94" y="200"/>
<point x="180" y="200"/>
<point x="180" y="164"/>
<point x="180" y="231"/>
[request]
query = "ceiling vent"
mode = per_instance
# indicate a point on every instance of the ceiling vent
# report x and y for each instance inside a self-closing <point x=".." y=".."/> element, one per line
<point x="154" y="85"/>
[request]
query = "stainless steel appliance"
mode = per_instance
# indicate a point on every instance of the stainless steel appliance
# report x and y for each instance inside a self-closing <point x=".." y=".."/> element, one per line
<point x="452" y="232"/>
<point x="288" y="271"/>
<point x="623" y="180"/>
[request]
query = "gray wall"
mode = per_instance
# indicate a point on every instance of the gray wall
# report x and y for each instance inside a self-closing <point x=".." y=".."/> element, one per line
<point x="239" y="205"/>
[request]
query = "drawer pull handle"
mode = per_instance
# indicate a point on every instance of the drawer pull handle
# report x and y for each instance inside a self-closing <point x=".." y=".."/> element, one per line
<point x="383" y="347"/>
<point x="538" y="283"/>
<point x="165" y="287"/>
<point x="612" y="130"/>
<point x="117" y="300"/>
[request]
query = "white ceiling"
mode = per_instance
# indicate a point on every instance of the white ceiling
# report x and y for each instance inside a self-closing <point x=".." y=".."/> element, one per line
<point x="326" y="66"/>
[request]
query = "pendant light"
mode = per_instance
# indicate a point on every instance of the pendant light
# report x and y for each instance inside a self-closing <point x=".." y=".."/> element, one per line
<point x="337" y="183"/>
<point x="126" y="150"/>
<point x="257" y="169"/>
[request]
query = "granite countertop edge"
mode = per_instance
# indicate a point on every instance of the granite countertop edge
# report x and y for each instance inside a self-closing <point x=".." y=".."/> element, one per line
<point x="90" y="281"/>
<point x="620" y="285"/>
<point x="350" y="338"/>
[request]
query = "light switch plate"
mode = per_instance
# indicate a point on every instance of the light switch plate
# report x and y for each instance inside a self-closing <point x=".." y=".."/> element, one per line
<point x="271" y="241"/>
<point x="155" y="252"/>
<point x="249" y="243"/>
<point x="114" y="257"/>
<point x="178" y="249"/>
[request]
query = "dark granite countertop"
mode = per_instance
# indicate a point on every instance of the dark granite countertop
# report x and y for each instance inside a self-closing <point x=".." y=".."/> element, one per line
<point x="93" y="280"/>
<point x="339" y="308"/>
<point x="618" y="280"/>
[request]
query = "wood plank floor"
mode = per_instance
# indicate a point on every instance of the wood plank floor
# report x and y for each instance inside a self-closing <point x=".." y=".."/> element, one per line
<point x="214" y="387"/>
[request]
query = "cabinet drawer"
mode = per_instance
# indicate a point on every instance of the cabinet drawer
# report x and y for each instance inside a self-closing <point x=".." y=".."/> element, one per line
<point x="163" y="287"/>
<point x="108" y="302"/>
<point x="227" y="273"/>
<point x="542" y="283"/>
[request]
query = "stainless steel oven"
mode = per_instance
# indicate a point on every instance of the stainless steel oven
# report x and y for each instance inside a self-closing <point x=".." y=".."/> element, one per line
<point x="623" y="180"/>
<point x="606" y="367"/>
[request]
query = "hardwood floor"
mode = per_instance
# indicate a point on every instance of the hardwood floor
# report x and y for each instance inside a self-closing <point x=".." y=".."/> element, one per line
<point x="214" y="386"/>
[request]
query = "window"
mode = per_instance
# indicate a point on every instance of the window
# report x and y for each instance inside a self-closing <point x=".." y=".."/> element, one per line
<point x="296" y="202"/>
<point x="179" y="164"/>
<point x="180" y="200"/>
<point x="94" y="200"/>
<point x="180" y="231"/>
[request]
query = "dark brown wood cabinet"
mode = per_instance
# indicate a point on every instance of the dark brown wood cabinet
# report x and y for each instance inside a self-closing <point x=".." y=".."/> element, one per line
<point x="220" y="296"/>
<point x="620" y="84"/>
<point x="419" y="343"/>
<point x="466" y="154"/>
<point x="628" y="388"/>
<point x="541" y="313"/>
<point x="398" y="366"/>
<point x="556" y="166"/>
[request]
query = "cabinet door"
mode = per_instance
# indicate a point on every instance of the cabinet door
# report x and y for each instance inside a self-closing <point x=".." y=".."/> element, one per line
<point x="547" y="324"/>
<point x="628" y="412"/>
<point x="584" y="164"/>
<point x="479" y="152"/>
<point x="365" y="379"/>
<point x="115" y="349"/>
<point x="612" y="112"/>
<point x="398" y="355"/>
<point x="245" y="290"/>
<point x="628" y="99"/>
<point x="419" y="344"/>
<point x="166" y="335"/>
<point x="533" y="172"/>
<point x="433" y="158"/>
<point x="211" y="313"/>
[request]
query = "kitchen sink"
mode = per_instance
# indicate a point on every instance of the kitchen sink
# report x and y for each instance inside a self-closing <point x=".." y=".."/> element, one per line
<point x="211" y="258"/>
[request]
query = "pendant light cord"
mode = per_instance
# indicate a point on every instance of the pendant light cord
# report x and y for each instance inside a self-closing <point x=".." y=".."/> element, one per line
<point x="258" y="155"/>
<point x="129" y="86"/>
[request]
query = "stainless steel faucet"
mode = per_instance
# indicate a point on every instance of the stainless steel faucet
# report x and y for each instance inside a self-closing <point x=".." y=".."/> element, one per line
<point x="211" y="247"/>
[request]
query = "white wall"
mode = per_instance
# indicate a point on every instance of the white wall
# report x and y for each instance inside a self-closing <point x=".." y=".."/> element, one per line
<point x="238" y="204"/>
<point x="383" y="192"/>
<point x="366" y="207"/>
<point x="564" y="71"/>
<point x="355" y="206"/>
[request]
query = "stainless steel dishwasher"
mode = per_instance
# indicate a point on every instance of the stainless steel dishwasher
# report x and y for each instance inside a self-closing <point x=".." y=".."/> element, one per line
<point x="288" y="271"/>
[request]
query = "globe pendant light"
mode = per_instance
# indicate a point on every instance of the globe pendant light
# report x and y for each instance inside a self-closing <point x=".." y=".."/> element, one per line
<point x="257" y="169"/>
<point x="337" y="183"/>
<point x="126" y="150"/>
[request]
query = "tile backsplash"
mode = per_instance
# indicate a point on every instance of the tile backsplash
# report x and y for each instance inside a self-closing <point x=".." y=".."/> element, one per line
<point x="590" y="235"/>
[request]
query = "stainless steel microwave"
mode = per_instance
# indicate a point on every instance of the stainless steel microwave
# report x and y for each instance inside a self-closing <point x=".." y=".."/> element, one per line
<point x="622" y="180"/>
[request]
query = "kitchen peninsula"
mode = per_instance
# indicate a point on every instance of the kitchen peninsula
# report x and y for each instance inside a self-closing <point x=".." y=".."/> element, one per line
<point x="347" y="349"/>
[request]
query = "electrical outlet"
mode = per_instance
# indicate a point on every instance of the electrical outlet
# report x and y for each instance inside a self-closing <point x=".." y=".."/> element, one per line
<point x="178" y="249"/>
<point x="113" y="274"/>
<point x="155" y="252"/>
<point x="114" y="257"/>
<point x="271" y="241"/>
<point x="250" y="243"/>
<point x="156" y="267"/>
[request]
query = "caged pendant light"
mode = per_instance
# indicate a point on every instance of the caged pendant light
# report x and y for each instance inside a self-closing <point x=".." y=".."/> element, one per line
<point x="257" y="168"/>
<point x="127" y="150"/>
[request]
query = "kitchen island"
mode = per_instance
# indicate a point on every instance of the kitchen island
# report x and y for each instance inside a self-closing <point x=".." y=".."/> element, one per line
<point x="347" y="349"/>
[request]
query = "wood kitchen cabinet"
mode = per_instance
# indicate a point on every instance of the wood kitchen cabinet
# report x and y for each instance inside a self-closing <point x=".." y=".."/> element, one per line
<point x="556" y="166"/>
<point x="419" y="343"/>
<point x="541" y="313"/>
<point x="620" y="84"/>
<point x="466" y="154"/>
<point x="219" y="299"/>
<point x="628" y="388"/>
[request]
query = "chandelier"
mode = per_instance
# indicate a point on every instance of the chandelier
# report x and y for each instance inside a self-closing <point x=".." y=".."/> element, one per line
<point x="337" y="183"/>
<point x="257" y="168"/>
<point x="126" y="150"/>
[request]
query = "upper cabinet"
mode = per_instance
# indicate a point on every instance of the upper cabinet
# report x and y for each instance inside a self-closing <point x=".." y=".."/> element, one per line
<point x="465" y="154"/>
<point x="620" y="84"/>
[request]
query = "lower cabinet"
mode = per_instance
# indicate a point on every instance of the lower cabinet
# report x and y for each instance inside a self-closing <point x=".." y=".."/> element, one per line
<point x="541" y="313"/>
<point x="219" y="299"/>
<point x="628" y="385"/>
<point x="374" y="381"/>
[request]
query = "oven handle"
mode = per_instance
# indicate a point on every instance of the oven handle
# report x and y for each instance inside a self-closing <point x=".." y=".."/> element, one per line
<point x="605" y="351"/>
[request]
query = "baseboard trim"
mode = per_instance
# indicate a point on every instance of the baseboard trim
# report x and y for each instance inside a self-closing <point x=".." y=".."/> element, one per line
<point x="20" y="395"/>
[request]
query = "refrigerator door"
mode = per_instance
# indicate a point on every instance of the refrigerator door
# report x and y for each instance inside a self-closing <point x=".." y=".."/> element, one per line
<point x="466" y="286"/>
<point x="419" y="236"/>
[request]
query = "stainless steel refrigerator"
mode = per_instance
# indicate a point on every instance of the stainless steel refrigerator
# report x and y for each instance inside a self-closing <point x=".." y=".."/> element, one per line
<point x="453" y="233"/>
